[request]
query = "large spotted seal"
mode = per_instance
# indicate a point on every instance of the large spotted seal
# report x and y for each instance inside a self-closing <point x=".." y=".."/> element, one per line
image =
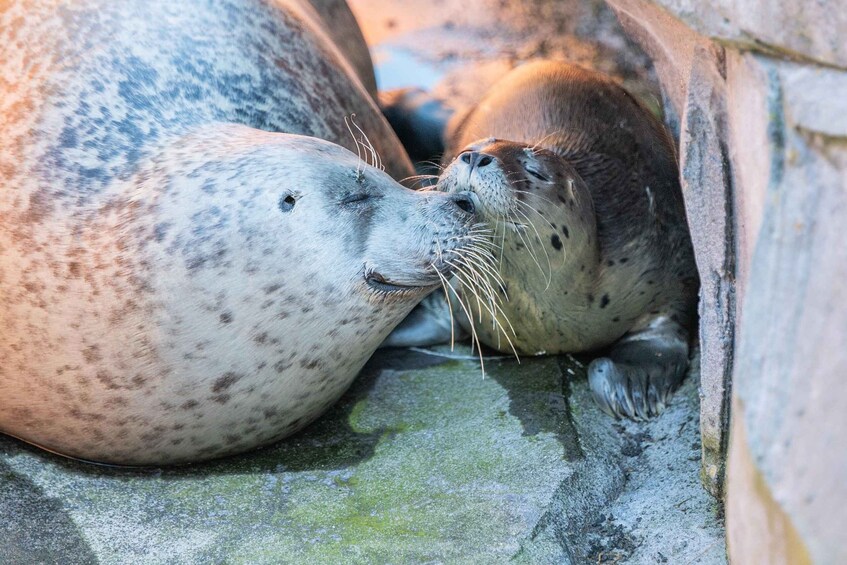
<point x="179" y="280"/>
<point x="580" y="185"/>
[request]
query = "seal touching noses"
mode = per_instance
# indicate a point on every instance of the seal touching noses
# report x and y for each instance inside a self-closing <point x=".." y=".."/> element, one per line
<point x="194" y="262"/>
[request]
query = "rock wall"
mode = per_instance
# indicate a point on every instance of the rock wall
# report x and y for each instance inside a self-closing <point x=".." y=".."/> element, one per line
<point x="757" y="92"/>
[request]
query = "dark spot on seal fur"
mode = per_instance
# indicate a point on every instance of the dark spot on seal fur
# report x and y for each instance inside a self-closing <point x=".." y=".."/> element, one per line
<point x="189" y="404"/>
<point x="565" y="232"/>
<point x="160" y="231"/>
<point x="226" y="317"/>
<point x="225" y="381"/>
<point x="91" y="354"/>
<point x="40" y="206"/>
<point x="309" y="364"/>
<point x="590" y="298"/>
<point x="604" y="301"/>
<point x="555" y="241"/>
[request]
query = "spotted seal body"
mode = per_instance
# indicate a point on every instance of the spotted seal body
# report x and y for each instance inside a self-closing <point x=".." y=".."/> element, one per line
<point x="184" y="274"/>
<point x="579" y="183"/>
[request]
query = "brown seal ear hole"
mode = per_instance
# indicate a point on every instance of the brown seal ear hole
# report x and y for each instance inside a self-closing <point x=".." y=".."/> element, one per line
<point x="286" y="203"/>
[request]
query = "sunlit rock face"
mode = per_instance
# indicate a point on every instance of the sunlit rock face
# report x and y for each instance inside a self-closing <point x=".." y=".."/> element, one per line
<point x="757" y="95"/>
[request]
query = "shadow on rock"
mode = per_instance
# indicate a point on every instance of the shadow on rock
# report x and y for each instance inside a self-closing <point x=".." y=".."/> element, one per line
<point x="36" y="528"/>
<point x="539" y="390"/>
<point x="328" y="443"/>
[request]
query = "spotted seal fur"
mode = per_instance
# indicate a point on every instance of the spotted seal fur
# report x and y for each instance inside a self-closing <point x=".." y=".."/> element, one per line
<point x="580" y="183"/>
<point x="192" y="264"/>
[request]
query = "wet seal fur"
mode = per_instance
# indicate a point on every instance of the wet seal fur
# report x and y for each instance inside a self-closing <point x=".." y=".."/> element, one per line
<point x="179" y="280"/>
<point x="580" y="184"/>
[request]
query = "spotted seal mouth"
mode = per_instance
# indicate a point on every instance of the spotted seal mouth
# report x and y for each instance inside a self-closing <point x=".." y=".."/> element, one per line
<point x="377" y="282"/>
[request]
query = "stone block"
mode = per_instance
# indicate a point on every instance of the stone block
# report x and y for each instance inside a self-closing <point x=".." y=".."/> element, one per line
<point x="800" y="30"/>
<point x="790" y="433"/>
<point x="692" y="71"/>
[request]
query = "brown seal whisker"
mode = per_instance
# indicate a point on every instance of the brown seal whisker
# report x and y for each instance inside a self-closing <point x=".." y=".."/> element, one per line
<point x="449" y="307"/>
<point x="530" y="248"/>
<point x="543" y="247"/>
<point x="496" y="323"/>
<point x="491" y="307"/>
<point x="536" y="147"/>
<point x="485" y="263"/>
<point x="474" y="336"/>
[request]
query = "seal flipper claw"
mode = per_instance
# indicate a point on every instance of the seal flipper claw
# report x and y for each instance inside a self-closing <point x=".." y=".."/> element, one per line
<point x="641" y="372"/>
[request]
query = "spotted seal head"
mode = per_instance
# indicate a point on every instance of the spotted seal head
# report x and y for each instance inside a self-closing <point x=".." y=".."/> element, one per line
<point x="579" y="185"/>
<point x="187" y="270"/>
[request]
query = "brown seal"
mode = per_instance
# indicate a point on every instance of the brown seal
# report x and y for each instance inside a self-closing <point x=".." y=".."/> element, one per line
<point x="579" y="183"/>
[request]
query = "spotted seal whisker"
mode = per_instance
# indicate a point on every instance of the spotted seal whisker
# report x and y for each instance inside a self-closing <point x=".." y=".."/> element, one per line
<point x="363" y="142"/>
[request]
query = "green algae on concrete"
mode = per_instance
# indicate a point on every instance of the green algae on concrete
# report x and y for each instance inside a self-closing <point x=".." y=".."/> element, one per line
<point x="422" y="461"/>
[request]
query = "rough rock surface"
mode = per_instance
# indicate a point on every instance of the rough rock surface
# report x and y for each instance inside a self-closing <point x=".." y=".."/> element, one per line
<point x="796" y="30"/>
<point x="422" y="461"/>
<point x="459" y="47"/>
<point x="758" y="89"/>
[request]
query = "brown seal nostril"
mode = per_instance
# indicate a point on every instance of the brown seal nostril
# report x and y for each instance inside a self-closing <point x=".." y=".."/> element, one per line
<point x="464" y="202"/>
<point x="476" y="159"/>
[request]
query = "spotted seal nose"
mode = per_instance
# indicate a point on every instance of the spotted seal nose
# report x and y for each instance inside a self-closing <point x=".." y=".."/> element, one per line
<point x="475" y="159"/>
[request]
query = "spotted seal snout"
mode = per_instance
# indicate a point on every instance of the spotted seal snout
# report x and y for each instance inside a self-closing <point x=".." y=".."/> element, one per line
<point x="187" y="270"/>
